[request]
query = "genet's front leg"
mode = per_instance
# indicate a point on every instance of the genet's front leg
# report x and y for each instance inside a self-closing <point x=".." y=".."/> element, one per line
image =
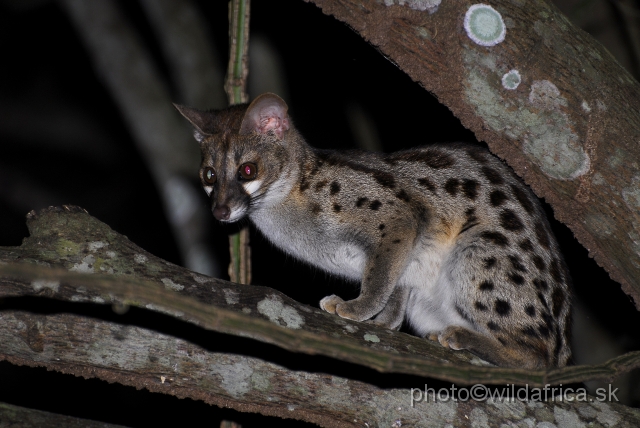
<point x="380" y="280"/>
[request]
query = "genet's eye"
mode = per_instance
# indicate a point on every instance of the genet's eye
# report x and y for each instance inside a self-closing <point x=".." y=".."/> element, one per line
<point x="209" y="175"/>
<point x="248" y="171"/>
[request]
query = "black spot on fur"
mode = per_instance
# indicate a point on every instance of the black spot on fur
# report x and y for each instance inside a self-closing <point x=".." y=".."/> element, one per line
<point x="544" y="330"/>
<point x="543" y="301"/>
<point x="343" y="159"/>
<point x="315" y="208"/>
<point x="558" y="346"/>
<point x="320" y="184"/>
<point x="477" y="154"/>
<point x="540" y="284"/>
<point x="470" y="189"/>
<point x="432" y="157"/>
<point x="530" y="310"/>
<point x="502" y="341"/>
<point x="396" y="241"/>
<point x="502" y="307"/>
<point x="510" y="221"/>
<point x="523" y="198"/>
<point x="492" y="175"/>
<point x="337" y="208"/>
<point x="304" y="185"/>
<point x="486" y="286"/>
<point x="517" y="263"/>
<point x="375" y="205"/>
<point x="548" y="320"/>
<point x="383" y="235"/>
<point x="526" y="245"/>
<point x="497" y="198"/>
<point x="516" y="278"/>
<point x="361" y="201"/>
<point x="489" y="262"/>
<point x="495" y="237"/>
<point x="381" y="226"/>
<point x="385" y="179"/>
<point x="541" y="234"/>
<point x="557" y="301"/>
<point x="530" y="331"/>
<point x="334" y="188"/>
<point x="425" y="182"/>
<point x="493" y="326"/>
<point x="439" y="160"/>
<point x="402" y="195"/>
<point x="554" y="270"/>
<point x="480" y="306"/>
<point x="451" y="186"/>
<point x="539" y="262"/>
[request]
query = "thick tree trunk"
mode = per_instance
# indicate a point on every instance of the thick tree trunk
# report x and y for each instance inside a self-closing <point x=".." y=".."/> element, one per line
<point x="71" y="256"/>
<point x="548" y="99"/>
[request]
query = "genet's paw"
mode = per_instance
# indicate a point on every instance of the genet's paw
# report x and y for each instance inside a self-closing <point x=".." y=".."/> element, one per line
<point x="351" y="310"/>
<point x="329" y="303"/>
<point x="452" y="337"/>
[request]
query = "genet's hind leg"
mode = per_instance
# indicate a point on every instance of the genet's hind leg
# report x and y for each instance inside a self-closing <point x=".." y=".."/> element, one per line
<point x="392" y="315"/>
<point x="490" y="349"/>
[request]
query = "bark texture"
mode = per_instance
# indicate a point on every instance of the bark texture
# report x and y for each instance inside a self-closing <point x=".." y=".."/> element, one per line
<point x="548" y="99"/>
<point x="73" y="257"/>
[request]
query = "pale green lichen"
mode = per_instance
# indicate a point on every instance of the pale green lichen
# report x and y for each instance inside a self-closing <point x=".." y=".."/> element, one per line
<point x="200" y="279"/>
<point x="484" y="25"/>
<point x="96" y="245"/>
<point x="371" y="338"/>
<point x="262" y="381"/>
<point x="170" y="285"/>
<point x="85" y="266"/>
<point x="236" y="377"/>
<point x="631" y="194"/>
<point x="511" y="80"/>
<point x="279" y="313"/>
<point x="606" y="416"/>
<point x="40" y="284"/>
<point x="479" y="418"/>
<point x="140" y="258"/>
<point x="567" y="418"/>
<point x="64" y="248"/>
<point x="423" y="33"/>
<point x="350" y="328"/>
<point x="539" y="120"/>
<point x="231" y="296"/>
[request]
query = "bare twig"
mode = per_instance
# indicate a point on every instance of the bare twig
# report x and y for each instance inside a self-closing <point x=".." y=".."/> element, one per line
<point x="236" y="87"/>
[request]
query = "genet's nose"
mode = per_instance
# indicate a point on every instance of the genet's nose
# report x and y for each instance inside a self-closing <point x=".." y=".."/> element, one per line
<point x="222" y="212"/>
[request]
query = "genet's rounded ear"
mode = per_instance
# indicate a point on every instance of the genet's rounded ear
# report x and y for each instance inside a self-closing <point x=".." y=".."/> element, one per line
<point x="267" y="112"/>
<point x="201" y="120"/>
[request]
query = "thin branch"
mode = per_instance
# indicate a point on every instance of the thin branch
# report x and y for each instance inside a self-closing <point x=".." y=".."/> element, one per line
<point x="236" y="87"/>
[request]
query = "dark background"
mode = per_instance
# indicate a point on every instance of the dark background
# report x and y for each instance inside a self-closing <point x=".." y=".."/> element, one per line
<point x="63" y="141"/>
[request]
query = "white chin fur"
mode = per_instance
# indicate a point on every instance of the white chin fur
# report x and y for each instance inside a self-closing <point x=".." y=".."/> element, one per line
<point x="236" y="214"/>
<point x="252" y="186"/>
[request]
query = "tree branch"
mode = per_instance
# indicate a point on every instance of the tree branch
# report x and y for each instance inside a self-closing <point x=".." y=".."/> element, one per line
<point x="73" y="257"/>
